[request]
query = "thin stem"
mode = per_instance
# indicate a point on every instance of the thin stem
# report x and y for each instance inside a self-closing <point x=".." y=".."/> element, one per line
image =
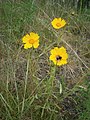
<point x="51" y="80"/>
<point x="25" y="87"/>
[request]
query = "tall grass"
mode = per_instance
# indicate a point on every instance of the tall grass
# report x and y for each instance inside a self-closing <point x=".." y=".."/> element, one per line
<point x="31" y="87"/>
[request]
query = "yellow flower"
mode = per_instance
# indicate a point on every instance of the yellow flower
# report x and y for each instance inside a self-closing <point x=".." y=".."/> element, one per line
<point x="59" y="56"/>
<point x="58" y="23"/>
<point x="31" y="40"/>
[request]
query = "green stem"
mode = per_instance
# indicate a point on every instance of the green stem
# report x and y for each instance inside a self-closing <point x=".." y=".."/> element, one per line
<point x="25" y="87"/>
<point x="51" y="80"/>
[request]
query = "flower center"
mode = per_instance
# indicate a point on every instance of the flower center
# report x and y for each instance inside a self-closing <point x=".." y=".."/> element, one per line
<point x="31" y="41"/>
<point x="58" y="24"/>
<point x="58" y="58"/>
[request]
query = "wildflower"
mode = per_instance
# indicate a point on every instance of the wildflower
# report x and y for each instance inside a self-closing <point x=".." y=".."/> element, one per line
<point x="59" y="56"/>
<point x="58" y="23"/>
<point x="31" y="40"/>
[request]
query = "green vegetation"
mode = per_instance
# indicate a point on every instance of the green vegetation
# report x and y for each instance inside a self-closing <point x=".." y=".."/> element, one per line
<point x="85" y="105"/>
<point x="31" y="87"/>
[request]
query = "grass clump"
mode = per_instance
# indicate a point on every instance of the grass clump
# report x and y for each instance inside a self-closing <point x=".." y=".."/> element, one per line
<point x="15" y="18"/>
<point x="85" y="105"/>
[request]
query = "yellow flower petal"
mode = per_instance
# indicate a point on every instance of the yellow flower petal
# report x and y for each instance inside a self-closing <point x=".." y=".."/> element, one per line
<point x="31" y="40"/>
<point x="53" y="51"/>
<point x="52" y="57"/>
<point x="62" y="53"/>
<point x="26" y="46"/>
<point x="62" y="62"/>
<point x="58" y="23"/>
<point x="34" y="36"/>
<point x="36" y="44"/>
<point x="25" y="38"/>
<point x="59" y="56"/>
<point x="63" y="23"/>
